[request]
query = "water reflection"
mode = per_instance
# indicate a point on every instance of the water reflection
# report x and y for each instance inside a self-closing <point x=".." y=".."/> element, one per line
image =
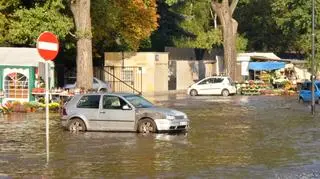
<point x="236" y="137"/>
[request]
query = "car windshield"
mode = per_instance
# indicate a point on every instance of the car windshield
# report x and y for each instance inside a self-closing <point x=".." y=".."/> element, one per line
<point x="138" y="101"/>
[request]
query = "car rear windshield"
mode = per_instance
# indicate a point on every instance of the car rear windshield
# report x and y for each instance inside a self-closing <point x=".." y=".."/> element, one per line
<point x="138" y="101"/>
<point x="307" y="86"/>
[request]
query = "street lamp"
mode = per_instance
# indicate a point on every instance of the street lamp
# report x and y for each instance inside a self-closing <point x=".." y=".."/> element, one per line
<point x="312" y="63"/>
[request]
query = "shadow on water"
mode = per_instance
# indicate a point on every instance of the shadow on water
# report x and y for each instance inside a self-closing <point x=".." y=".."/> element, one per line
<point x="233" y="137"/>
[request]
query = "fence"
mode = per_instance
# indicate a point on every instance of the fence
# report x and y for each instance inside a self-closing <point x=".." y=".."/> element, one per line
<point x="123" y="79"/>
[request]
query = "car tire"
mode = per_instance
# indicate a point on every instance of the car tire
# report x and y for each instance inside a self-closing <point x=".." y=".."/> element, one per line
<point x="193" y="92"/>
<point x="147" y="126"/>
<point x="76" y="125"/>
<point x="225" y="92"/>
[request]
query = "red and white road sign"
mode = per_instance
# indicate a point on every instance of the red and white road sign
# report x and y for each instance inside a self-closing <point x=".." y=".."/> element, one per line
<point x="48" y="45"/>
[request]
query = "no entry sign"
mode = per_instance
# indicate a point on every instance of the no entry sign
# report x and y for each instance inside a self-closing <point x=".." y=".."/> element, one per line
<point x="48" y="45"/>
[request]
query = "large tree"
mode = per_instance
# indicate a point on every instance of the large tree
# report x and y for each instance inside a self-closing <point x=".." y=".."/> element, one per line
<point x="224" y="10"/>
<point x="82" y="19"/>
<point x="124" y="22"/>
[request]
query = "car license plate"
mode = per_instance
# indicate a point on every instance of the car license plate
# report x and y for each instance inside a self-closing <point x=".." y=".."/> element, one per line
<point x="183" y="123"/>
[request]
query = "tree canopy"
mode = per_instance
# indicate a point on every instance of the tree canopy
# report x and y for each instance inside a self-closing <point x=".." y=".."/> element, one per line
<point x="270" y="25"/>
<point x="123" y="24"/>
<point x="198" y="24"/>
<point x="129" y="21"/>
<point x="22" y="23"/>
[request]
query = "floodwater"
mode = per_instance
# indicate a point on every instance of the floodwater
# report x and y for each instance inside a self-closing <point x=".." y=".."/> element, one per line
<point x="230" y="137"/>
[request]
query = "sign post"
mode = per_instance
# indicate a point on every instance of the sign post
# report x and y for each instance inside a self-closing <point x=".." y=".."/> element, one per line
<point x="48" y="47"/>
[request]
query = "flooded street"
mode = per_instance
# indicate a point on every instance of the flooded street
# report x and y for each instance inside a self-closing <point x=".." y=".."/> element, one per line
<point x="230" y="137"/>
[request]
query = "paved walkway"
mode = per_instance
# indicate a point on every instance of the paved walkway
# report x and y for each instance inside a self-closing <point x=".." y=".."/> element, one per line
<point x="172" y="94"/>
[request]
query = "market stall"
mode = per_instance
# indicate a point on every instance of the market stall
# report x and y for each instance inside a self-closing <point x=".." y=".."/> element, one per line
<point x="271" y="77"/>
<point x="19" y="70"/>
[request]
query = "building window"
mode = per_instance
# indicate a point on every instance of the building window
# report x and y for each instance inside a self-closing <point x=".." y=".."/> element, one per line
<point x="16" y="86"/>
<point x="127" y="75"/>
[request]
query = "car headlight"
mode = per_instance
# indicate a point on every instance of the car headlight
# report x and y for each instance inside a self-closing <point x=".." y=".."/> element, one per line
<point x="170" y="117"/>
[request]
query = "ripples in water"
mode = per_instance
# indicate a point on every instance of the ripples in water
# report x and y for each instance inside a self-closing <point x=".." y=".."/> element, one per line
<point x="234" y="137"/>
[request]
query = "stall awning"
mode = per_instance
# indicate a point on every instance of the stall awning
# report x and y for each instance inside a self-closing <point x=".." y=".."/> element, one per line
<point x="258" y="66"/>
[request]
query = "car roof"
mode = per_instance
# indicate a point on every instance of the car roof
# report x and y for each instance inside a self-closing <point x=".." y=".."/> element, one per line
<point x="104" y="93"/>
<point x="317" y="81"/>
<point x="217" y="77"/>
<point x="73" y="77"/>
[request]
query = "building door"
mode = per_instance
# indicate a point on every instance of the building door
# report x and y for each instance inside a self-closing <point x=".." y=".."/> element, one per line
<point x="172" y="84"/>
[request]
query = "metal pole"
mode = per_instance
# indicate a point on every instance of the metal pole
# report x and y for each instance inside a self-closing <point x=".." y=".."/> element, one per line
<point x="312" y="64"/>
<point x="140" y="80"/>
<point x="47" y="109"/>
<point x="113" y="79"/>
<point x="122" y="56"/>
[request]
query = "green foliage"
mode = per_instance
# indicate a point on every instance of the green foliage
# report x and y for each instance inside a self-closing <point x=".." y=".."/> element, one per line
<point x="277" y="25"/>
<point x="21" y="22"/>
<point x="168" y="27"/>
<point x="294" y="19"/>
<point x="241" y="43"/>
<point x="122" y="25"/>
<point x="198" y="24"/>
<point x="8" y="5"/>
<point x="258" y="26"/>
<point x="171" y="2"/>
<point x="204" y="40"/>
<point x="3" y="22"/>
<point x="27" y="24"/>
<point x="54" y="106"/>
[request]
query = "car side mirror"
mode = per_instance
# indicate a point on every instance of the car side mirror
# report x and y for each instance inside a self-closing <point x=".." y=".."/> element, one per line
<point x="126" y="107"/>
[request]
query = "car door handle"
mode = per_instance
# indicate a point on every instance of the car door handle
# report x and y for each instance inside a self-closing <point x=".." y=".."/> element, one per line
<point x="102" y="112"/>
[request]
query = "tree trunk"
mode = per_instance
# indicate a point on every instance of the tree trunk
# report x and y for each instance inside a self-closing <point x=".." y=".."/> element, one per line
<point x="229" y="45"/>
<point x="229" y="30"/>
<point x="82" y="19"/>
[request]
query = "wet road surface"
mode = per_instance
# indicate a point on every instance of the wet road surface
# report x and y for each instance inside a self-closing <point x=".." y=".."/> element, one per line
<point x="230" y="137"/>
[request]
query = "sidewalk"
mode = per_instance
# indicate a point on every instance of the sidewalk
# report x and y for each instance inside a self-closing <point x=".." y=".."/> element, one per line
<point x="166" y="95"/>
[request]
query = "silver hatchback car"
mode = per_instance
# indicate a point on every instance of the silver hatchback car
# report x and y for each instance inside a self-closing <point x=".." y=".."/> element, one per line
<point x="120" y="112"/>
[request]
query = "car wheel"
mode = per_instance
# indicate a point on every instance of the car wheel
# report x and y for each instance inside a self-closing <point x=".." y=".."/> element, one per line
<point x="193" y="92"/>
<point x="147" y="126"/>
<point x="225" y="92"/>
<point x="76" y="125"/>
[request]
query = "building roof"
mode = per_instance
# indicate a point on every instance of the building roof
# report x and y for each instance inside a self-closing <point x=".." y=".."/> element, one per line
<point x="17" y="56"/>
<point x="192" y="53"/>
<point x="257" y="56"/>
<point x="261" y="55"/>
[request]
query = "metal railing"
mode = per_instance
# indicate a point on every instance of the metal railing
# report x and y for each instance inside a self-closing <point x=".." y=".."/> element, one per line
<point x="124" y="79"/>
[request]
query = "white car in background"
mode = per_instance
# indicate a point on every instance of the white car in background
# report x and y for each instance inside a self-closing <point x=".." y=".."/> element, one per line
<point x="97" y="84"/>
<point x="214" y="85"/>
